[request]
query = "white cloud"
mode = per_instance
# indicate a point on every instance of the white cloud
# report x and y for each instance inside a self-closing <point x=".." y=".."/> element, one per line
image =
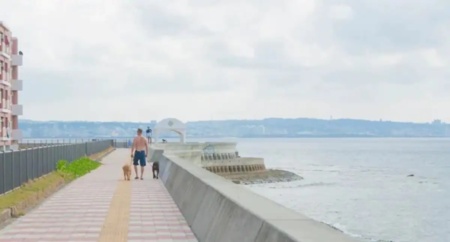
<point x="341" y="11"/>
<point x="141" y="60"/>
<point x="385" y="59"/>
<point x="433" y="58"/>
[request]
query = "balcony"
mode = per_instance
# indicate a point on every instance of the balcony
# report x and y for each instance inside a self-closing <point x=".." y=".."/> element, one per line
<point x="16" y="134"/>
<point x="16" y="85"/>
<point x="5" y="135"/>
<point x="4" y="138"/>
<point x="4" y="50"/>
<point x="4" y="79"/>
<point x="16" y="60"/>
<point x="5" y="106"/>
<point x="17" y="109"/>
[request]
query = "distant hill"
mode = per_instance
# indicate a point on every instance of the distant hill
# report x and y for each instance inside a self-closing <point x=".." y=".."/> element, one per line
<point x="271" y="127"/>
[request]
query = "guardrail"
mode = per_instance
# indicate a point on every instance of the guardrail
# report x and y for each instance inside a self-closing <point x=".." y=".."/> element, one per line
<point x="18" y="167"/>
<point x="124" y="142"/>
<point x="33" y="143"/>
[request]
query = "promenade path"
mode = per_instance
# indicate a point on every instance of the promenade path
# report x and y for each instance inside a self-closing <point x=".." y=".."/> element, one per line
<point x="101" y="206"/>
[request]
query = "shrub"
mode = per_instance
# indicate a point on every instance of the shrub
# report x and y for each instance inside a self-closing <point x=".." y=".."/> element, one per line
<point x="76" y="168"/>
<point x="61" y="165"/>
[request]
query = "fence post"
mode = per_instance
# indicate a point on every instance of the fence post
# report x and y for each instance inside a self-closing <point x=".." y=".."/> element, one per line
<point x="44" y="159"/>
<point x="12" y="169"/>
<point x="44" y="166"/>
<point x="39" y="162"/>
<point x="26" y="163"/>
<point x="4" y="171"/>
<point x="30" y="153"/>
<point x="20" y="166"/>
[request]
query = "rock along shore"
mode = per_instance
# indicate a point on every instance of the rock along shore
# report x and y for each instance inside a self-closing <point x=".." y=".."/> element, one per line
<point x="267" y="176"/>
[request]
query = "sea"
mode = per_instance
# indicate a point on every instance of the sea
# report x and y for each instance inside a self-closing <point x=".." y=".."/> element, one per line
<point x="375" y="189"/>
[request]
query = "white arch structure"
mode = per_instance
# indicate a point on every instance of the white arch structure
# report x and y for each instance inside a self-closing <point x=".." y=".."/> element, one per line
<point x="170" y="124"/>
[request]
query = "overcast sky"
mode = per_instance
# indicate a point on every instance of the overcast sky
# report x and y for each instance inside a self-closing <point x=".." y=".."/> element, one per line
<point x="146" y="60"/>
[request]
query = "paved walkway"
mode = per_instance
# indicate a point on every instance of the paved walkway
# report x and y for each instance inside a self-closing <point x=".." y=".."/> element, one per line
<point x="102" y="207"/>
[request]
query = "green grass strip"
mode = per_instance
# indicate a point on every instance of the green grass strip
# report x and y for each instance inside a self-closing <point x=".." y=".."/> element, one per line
<point x="64" y="172"/>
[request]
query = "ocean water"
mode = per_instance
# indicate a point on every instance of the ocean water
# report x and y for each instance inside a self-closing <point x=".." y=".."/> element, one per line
<point x="361" y="185"/>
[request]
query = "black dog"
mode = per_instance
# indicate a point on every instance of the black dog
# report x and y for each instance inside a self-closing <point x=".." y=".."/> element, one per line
<point x="155" y="170"/>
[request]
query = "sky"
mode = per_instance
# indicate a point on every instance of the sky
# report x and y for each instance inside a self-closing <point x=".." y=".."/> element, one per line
<point x="140" y="60"/>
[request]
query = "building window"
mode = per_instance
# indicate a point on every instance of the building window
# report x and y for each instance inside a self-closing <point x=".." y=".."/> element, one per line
<point x="7" y="127"/>
<point x="2" y="128"/>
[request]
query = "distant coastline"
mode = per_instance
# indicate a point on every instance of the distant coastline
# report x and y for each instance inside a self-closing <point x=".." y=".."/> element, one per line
<point x="171" y="138"/>
<point x="265" y="128"/>
<point x="310" y="136"/>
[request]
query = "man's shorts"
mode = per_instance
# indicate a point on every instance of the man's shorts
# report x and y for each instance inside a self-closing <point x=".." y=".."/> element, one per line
<point x="139" y="158"/>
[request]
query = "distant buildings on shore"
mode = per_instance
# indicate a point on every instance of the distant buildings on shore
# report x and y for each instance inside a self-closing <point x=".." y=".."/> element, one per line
<point x="302" y="127"/>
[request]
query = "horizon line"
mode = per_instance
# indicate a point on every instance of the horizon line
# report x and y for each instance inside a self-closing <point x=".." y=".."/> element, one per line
<point x="221" y="120"/>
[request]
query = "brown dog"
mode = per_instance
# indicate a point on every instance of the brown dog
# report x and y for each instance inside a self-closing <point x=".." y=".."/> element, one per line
<point x="126" y="171"/>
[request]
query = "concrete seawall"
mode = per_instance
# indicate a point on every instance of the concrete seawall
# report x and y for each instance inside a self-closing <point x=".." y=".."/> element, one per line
<point x="220" y="211"/>
<point x="238" y="165"/>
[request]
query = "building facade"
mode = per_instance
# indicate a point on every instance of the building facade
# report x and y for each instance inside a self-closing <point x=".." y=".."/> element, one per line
<point x="10" y="86"/>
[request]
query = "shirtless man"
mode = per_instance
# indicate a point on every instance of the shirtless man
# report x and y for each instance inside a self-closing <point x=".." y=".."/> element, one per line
<point x="139" y="151"/>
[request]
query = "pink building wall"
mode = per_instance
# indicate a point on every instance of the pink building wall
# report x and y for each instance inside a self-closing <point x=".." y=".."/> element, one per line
<point x="15" y="76"/>
<point x="9" y="88"/>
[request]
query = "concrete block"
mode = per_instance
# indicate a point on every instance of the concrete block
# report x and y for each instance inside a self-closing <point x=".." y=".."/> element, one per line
<point x="268" y="233"/>
<point x="233" y="223"/>
<point x="305" y="230"/>
<point x="165" y="170"/>
<point x="164" y="167"/>
<point x="188" y="190"/>
<point x="191" y="200"/>
<point x="178" y="183"/>
<point x="155" y="154"/>
<point x="254" y="202"/>
<point x="206" y="216"/>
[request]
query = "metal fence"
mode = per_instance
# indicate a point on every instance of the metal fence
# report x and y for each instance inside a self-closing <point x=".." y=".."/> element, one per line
<point x="126" y="142"/>
<point x="33" y="143"/>
<point x="122" y="144"/>
<point x="18" y="167"/>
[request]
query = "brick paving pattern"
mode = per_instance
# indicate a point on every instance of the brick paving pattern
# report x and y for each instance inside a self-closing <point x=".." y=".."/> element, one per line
<point x="154" y="216"/>
<point x="79" y="211"/>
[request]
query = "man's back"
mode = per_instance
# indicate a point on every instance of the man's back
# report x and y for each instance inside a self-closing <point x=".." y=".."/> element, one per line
<point x="140" y="143"/>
